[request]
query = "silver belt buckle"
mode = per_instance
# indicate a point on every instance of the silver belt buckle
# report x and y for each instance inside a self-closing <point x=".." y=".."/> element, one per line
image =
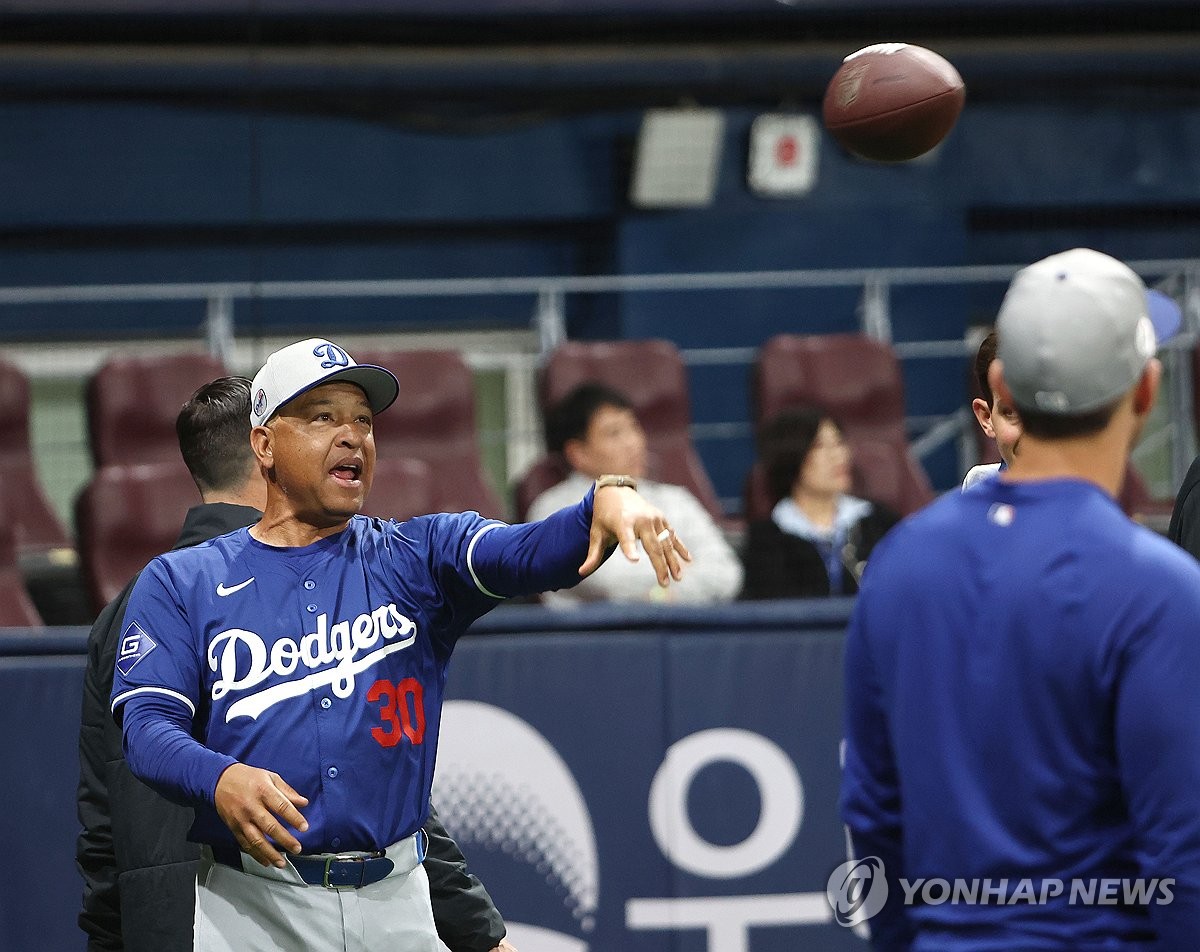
<point x="348" y="858"/>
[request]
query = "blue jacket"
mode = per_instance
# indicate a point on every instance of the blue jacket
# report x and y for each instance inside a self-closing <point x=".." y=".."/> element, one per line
<point x="1023" y="703"/>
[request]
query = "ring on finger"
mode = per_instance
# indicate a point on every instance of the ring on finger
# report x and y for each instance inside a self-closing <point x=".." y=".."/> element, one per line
<point x="664" y="535"/>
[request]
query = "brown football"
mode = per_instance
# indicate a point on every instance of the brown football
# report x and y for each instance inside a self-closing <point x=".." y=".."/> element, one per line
<point x="893" y="101"/>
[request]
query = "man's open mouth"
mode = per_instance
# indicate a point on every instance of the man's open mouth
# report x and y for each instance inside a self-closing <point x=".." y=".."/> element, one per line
<point x="347" y="472"/>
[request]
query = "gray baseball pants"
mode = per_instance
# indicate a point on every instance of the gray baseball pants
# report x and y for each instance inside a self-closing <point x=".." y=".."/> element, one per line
<point x="264" y="909"/>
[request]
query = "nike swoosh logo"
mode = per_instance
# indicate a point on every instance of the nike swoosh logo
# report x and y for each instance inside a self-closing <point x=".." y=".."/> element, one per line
<point x="223" y="591"/>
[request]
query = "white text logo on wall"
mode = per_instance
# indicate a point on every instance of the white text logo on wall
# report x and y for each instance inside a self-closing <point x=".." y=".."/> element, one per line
<point x="538" y="816"/>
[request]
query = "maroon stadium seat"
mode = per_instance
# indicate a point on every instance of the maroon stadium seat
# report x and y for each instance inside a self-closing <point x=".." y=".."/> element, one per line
<point x="433" y="420"/>
<point x="1139" y="504"/>
<point x="125" y="516"/>
<point x="132" y="403"/>
<point x="25" y="506"/>
<point x="651" y="374"/>
<point x="546" y="471"/>
<point x="403" y="488"/>
<point x="16" y="607"/>
<point x="857" y="381"/>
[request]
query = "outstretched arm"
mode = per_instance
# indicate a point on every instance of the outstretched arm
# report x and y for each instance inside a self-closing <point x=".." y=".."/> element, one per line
<point x="570" y="544"/>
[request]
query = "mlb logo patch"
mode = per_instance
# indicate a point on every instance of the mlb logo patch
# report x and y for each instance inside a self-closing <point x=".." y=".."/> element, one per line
<point x="1002" y="514"/>
<point x="135" y="645"/>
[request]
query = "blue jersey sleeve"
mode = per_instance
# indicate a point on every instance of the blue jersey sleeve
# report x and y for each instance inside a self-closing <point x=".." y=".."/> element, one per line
<point x="534" y="557"/>
<point x="160" y="750"/>
<point x="157" y="693"/>
<point x="157" y="653"/>
<point x="1157" y="738"/>
<point x="475" y="563"/>
<point x="870" y="799"/>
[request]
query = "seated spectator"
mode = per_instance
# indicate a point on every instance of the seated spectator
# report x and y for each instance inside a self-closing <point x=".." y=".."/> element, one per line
<point x="597" y="432"/>
<point x="818" y="538"/>
<point x="998" y="420"/>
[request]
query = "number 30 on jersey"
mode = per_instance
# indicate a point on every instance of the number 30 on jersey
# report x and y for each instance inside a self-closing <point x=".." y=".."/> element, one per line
<point x="401" y="709"/>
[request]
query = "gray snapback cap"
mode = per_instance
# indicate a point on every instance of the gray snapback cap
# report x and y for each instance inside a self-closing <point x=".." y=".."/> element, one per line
<point x="1076" y="329"/>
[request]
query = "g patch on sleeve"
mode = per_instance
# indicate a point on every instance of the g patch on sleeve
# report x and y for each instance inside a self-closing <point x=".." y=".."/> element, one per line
<point x="135" y="645"/>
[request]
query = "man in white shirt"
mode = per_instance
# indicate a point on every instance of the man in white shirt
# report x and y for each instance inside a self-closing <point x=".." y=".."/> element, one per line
<point x="597" y="432"/>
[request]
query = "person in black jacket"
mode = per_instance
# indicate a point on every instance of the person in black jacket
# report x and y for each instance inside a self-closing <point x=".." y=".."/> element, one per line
<point x="818" y="538"/>
<point x="1184" y="529"/>
<point x="139" y="870"/>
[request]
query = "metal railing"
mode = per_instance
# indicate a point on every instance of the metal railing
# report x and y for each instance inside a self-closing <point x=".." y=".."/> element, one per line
<point x="548" y="296"/>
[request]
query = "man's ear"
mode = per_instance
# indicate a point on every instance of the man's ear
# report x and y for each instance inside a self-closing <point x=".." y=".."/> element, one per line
<point x="1146" y="391"/>
<point x="262" y="442"/>
<point x="983" y="413"/>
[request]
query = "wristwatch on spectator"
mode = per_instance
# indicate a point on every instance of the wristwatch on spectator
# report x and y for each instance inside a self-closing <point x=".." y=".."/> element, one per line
<point x="611" y="479"/>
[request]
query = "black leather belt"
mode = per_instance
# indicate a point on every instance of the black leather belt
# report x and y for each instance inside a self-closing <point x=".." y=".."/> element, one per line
<point x="333" y="870"/>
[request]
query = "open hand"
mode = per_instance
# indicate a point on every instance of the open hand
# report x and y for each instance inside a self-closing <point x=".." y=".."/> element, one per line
<point x="622" y="516"/>
<point x="252" y="802"/>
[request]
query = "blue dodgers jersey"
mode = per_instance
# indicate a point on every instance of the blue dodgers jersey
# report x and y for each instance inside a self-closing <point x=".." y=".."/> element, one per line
<point x="1021" y="680"/>
<point x="325" y="664"/>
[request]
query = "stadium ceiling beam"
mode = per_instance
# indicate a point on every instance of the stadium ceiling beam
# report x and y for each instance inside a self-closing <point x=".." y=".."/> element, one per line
<point x="376" y="76"/>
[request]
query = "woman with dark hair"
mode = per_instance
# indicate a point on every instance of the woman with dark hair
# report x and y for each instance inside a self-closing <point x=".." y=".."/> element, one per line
<point x="818" y="537"/>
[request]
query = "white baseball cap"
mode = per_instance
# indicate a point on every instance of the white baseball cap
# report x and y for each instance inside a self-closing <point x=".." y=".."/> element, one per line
<point x="298" y="367"/>
<point x="1076" y="330"/>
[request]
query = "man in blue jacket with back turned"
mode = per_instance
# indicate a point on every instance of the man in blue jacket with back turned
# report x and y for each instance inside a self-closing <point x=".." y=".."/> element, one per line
<point x="1023" y="718"/>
